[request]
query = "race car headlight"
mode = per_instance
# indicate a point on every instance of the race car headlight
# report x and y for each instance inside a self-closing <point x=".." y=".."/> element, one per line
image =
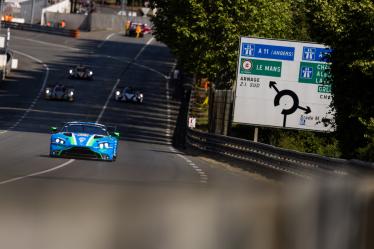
<point x="141" y="95"/>
<point x="90" y="73"/>
<point x="71" y="71"/>
<point x="47" y="91"/>
<point x="118" y="93"/>
<point x="59" y="141"/>
<point x="104" y="145"/>
<point x="71" y="93"/>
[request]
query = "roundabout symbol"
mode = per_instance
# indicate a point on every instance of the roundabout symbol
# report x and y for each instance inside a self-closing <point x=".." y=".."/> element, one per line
<point x="293" y="96"/>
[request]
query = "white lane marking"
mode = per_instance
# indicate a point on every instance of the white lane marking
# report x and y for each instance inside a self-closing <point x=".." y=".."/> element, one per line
<point x="99" y="46"/>
<point x="107" y="101"/>
<point x="117" y="83"/>
<point x="105" y="40"/>
<point x="32" y="105"/>
<point x="168" y="108"/>
<point x="25" y="114"/>
<point x="203" y="177"/>
<point x="140" y="65"/>
<point x="38" y="173"/>
<point x="98" y="119"/>
<point x="144" y="47"/>
<point x="47" y="43"/>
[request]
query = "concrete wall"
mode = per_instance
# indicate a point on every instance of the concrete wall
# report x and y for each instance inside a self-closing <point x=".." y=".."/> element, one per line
<point x="94" y="22"/>
<point x="61" y="7"/>
<point x="73" y="21"/>
<point x="107" y="22"/>
<point x="26" y="9"/>
<point x="112" y="22"/>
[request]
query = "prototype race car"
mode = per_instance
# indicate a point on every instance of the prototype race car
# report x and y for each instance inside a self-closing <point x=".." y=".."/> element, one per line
<point x="129" y="94"/>
<point x="81" y="72"/>
<point x="144" y="29"/>
<point x="84" y="140"/>
<point x="59" y="92"/>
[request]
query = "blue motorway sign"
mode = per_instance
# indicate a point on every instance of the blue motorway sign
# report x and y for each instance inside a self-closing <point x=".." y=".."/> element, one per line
<point x="315" y="54"/>
<point x="268" y="51"/>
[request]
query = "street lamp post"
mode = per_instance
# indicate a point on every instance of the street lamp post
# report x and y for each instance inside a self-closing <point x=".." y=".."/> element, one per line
<point x="123" y="4"/>
<point x="1" y="12"/>
<point x="32" y="11"/>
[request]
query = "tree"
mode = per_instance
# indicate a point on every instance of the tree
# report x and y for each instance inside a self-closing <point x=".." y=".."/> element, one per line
<point x="348" y="27"/>
<point x="204" y="35"/>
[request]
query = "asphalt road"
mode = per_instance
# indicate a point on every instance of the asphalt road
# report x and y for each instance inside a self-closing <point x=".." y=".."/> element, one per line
<point x="70" y="203"/>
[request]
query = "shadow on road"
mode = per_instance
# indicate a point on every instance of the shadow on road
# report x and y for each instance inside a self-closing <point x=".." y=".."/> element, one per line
<point x="147" y="122"/>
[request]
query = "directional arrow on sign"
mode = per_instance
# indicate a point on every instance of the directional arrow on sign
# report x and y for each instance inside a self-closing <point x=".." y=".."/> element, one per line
<point x="272" y="85"/>
<point x="293" y="95"/>
<point x="307" y="109"/>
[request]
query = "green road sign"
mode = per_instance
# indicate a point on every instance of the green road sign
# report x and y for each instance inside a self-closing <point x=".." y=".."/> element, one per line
<point x="261" y="67"/>
<point x="313" y="73"/>
<point x="324" y="89"/>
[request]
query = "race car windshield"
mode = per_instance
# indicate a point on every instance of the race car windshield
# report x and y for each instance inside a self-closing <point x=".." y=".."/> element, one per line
<point x="59" y="88"/>
<point x="130" y="90"/>
<point x="89" y="129"/>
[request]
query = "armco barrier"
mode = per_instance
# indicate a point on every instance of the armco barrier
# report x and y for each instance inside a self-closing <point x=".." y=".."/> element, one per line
<point x="38" y="28"/>
<point x="274" y="158"/>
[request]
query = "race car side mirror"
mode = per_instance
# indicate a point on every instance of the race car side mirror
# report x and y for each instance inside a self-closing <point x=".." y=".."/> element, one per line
<point x="116" y="134"/>
<point x="53" y="129"/>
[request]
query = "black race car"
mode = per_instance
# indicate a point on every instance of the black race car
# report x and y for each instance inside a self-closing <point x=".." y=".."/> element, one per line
<point x="59" y="92"/>
<point x="81" y="72"/>
<point x="129" y="94"/>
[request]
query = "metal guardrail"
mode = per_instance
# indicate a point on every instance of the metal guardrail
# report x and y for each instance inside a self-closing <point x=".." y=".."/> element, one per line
<point x="281" y="160"/>
<point x="39" y="28"/>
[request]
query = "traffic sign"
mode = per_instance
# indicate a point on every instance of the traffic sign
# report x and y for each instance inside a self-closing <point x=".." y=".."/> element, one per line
<point x="268" y="51"/>
<point x="283" y="84"/>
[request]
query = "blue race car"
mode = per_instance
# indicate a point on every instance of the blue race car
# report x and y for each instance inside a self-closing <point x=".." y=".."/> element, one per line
<point x="84" y="140"/>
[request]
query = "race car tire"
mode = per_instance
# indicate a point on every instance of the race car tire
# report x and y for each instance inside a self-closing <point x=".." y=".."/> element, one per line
<point x="51" y="154"/>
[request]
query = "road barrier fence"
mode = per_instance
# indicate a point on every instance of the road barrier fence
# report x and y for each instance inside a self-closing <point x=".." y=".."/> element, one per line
<point x="273" y="158"/>
<point x="39" y="28"/>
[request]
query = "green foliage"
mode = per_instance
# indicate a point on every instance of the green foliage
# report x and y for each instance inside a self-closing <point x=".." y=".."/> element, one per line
<point x="348" y="27"/>
<point x="309" y="142"/>
<point x="204" y="35"/>
<point x="304" y="141"/>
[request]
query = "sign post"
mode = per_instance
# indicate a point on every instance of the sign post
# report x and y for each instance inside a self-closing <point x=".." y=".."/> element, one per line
<point x="283" y="84"/>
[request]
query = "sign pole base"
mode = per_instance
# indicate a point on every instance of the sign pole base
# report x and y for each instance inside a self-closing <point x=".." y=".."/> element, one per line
<point x="255" y="136"/>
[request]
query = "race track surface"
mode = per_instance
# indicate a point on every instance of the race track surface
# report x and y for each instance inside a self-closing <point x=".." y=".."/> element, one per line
<point x="72" y="203"/>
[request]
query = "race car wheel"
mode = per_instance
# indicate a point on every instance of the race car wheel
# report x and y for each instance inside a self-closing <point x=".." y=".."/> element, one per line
<point x="51" y="154"/>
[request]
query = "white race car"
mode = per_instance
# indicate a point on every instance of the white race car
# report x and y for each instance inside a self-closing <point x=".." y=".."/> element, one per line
<point x="129" y="94"/>
<point x="59" y="92"/>
<point x="81" y="72"/>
